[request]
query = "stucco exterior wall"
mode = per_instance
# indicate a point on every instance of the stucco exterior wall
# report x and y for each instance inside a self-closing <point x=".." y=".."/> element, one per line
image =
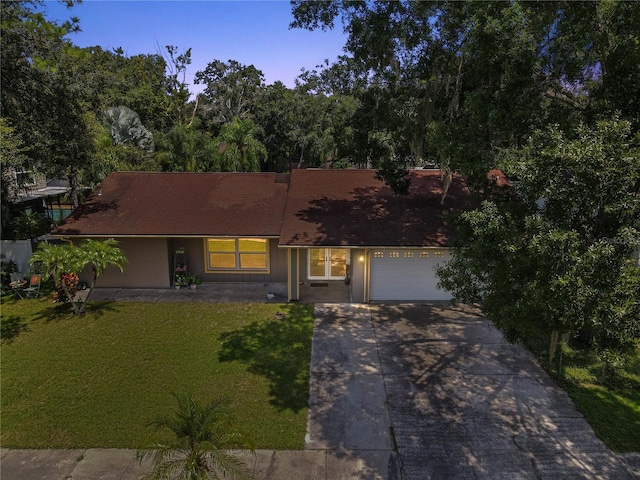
<point x="147" y="265"/>
<point x="358" y="275"/>
<point x="304" y="267"/>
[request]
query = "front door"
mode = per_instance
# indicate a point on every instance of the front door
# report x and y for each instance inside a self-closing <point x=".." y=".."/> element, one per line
<point x="328" y="263"/>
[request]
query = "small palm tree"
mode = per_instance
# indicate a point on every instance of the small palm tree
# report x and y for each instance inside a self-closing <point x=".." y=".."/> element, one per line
<point x="55" y="261"/>
<point x="58" y="260"/>
<point x="100" y="254"/>
<point x="200" y="444"/>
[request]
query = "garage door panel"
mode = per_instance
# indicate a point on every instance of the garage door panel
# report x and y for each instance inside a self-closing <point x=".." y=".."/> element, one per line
<point x="406" y="275"/>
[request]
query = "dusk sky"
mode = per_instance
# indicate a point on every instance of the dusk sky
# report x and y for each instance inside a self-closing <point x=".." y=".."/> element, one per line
<point x="251" y="32"/>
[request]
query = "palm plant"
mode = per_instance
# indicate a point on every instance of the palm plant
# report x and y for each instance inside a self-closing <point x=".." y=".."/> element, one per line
<point x="201" y="438"/>
<point x="56" y="261"/>
<point x="98" y="255"/>
<point x="185" y="149"/>
<point x="59" y="260"/>
<point x="239" y="148"/>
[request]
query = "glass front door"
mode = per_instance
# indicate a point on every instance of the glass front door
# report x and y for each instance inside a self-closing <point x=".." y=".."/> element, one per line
<point x="328" y="263"/>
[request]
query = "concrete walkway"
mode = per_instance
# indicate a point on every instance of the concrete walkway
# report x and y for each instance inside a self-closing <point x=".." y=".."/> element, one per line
<point x="406" y="392"/>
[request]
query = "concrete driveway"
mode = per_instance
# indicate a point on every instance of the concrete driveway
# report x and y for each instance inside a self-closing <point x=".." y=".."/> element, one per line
<point x="432" y="391"/>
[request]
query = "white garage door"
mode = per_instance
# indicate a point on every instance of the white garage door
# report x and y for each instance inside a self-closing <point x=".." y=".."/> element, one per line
<point x="406" y="275"/>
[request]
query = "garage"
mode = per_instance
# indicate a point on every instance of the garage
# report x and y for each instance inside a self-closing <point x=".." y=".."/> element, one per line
<point x="406" y="274"/>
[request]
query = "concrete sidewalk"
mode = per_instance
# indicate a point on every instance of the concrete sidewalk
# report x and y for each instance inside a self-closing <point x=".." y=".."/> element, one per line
<point x="120" y="464"/>
<point x="205" y="293"/>
<point x="256" y="292"/>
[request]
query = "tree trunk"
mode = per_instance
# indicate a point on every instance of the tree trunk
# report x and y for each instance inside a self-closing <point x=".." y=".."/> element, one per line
<point x="83" y="307"/>
<point x="73" y="184"/>
<point x="553" y="345"/>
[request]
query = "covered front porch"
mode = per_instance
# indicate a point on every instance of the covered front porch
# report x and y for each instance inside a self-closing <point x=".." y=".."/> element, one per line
<point x="326" y="274"/>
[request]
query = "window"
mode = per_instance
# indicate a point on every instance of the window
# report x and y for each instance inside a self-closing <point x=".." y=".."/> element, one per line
<point x="438" y="254"/>
<point x="394" y="255"/>
<point x="238" y="254"/>
<point x="378" y="254"/>
<point x="408" y="255"/>
<point x="424" y="254"/>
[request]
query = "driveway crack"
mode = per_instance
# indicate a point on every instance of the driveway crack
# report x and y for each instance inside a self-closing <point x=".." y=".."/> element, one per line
<point x="399" y="467"/>
<point x="532" y="460"/>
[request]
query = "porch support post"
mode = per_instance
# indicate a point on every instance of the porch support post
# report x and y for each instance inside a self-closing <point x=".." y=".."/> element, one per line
<point x="293" y="277"/>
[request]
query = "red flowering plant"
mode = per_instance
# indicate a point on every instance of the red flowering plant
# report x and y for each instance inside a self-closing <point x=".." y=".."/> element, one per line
<point x="66" y="289"/>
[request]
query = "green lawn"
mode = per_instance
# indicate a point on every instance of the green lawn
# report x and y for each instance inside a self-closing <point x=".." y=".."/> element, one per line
<point x="97" y="380"/>
<point x="610" y="403"/>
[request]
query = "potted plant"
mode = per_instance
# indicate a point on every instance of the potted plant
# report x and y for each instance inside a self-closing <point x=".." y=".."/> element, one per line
<point x="194" y="281"/>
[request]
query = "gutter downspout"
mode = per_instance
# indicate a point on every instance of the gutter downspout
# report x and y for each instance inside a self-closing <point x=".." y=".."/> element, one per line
<point x="68" y="240"/>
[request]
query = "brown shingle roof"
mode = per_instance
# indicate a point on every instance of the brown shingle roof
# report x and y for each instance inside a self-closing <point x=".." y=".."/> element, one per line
<point x="323" y="207"/>
<point x="175" y="204"/>
<point x="352" y="208"/>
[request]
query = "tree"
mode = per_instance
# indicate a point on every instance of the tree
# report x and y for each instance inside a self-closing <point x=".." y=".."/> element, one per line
<point x="461" y="80"/>
<point x="98" y="255"/>
<point x="198" y="448"/>
<point x="239" y="149"/>
<point x="558" y="252"/>
<point x="111" y="156"/>
<point x="186" y="149"/>
<point x="274" y="113"/>
<point x="231" y="90"/>
<point x="55" y="94"/>
<point x="12" y="159"/>
<point x="27" y="39"/>
<point x="401" y="50"/>
<point x="57" y="261"/>
<point x="30" y="225"/>
<point x="110" y="78"/>
<point x="177" y="91"/>
<point x="42" y="91"/>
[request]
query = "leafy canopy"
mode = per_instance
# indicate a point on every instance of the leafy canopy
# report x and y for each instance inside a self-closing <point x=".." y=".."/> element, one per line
<point x="559" y="251"/>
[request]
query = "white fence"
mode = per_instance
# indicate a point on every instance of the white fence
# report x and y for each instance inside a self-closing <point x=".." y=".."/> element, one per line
<point x="18" y="251"/>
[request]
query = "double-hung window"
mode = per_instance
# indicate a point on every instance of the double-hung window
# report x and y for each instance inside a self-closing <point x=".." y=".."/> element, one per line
<point x="237" y="254"/>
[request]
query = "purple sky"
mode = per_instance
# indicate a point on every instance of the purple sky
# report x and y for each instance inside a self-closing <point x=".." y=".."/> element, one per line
<point x="251" y="32"/>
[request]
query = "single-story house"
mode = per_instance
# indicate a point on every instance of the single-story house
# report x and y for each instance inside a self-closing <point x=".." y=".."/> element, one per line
<point x="308" y="226"/>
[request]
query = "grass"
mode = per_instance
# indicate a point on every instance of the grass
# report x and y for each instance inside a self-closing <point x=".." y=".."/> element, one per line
<point x="97" y="380"/>
<point x="611" y="402"/>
